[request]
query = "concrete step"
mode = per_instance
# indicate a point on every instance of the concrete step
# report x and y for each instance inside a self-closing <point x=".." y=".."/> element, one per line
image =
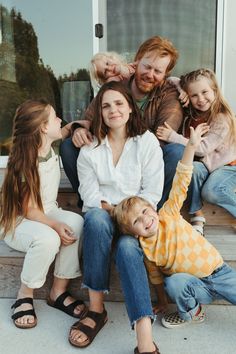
<point x="11" y="261"/>
<point x="51" y="333"/>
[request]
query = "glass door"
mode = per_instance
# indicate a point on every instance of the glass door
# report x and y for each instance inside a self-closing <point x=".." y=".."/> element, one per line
<point x="189" y="24"/>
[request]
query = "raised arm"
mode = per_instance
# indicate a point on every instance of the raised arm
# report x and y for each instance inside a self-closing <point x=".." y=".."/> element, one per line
<point x="183" y="174"/>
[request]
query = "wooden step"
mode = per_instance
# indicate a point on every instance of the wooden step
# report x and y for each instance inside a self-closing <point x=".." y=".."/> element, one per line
<point x="11" y="261"/>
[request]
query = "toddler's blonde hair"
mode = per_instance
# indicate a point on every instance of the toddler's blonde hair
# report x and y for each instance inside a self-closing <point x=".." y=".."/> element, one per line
<point x="98" y="80"/>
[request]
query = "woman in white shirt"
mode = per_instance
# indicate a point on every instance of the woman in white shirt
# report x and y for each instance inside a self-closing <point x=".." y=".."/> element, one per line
<point x="124" y="159"/>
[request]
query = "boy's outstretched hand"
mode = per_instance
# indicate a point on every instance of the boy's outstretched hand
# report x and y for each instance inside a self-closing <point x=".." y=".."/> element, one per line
<point x="196" y="136"/>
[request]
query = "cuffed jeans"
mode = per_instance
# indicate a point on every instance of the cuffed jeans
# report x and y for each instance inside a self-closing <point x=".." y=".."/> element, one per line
<point x="42" y="244"/>
<point x="97" y="247"/>
<point x="218" y="187"/>
<point x="188" y="292"/>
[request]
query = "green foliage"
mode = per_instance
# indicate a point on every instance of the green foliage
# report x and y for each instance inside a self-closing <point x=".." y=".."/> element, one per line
<point x="33" y="79"/>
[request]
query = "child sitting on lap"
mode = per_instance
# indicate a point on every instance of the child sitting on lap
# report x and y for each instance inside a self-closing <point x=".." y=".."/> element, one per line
<point x="179" y="260"/>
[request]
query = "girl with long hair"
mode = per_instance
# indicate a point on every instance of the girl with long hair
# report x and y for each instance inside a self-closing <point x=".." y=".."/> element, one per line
<point x="30" y="219"/>
<point x="214" y="175"/>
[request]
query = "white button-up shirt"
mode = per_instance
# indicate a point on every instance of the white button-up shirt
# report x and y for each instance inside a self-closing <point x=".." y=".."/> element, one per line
<point x="139" y="171"/>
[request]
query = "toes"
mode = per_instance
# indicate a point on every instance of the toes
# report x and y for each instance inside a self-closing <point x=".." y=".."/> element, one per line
<point x="78" y="336"/>
<point x="78" y="310"/>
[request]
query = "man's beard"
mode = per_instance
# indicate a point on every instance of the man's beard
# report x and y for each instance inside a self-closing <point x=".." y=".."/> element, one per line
<point x="144" y="86"/>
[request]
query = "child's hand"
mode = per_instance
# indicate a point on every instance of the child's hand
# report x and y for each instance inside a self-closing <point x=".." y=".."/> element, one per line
<point x="183" y="97"/>
<point x="163" y="132"/>
<point x="66" y="234"/>
<point x="196" y="135"/>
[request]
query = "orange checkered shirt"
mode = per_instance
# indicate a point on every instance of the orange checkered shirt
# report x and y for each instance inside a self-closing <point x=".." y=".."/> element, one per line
<point x="178" y="247"/>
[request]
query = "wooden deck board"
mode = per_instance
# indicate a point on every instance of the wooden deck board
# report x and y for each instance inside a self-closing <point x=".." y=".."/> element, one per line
<point x="11" y="261"/>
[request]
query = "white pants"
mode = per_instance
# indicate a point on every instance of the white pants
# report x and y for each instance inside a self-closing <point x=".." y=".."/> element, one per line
<point x="42" y="244"/>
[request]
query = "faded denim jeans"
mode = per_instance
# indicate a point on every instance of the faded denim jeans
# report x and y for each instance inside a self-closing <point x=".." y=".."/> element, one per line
<point x="97" y="254"/>
<point x="188" y="291"/>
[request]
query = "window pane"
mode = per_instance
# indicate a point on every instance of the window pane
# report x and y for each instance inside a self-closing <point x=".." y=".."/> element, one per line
<point x="45" y="48"/>
<point x="189" y="24"/>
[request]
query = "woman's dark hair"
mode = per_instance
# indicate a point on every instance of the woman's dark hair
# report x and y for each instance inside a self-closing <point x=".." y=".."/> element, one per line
<point x="135" y="125"/>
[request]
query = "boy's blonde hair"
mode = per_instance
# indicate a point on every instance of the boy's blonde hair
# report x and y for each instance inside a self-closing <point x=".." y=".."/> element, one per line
<point x="121" y="213"/>
<point x="96" y="79"/>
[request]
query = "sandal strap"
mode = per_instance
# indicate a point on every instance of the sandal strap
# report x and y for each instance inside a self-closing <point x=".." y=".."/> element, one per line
<point x="87" y="330"/>
<point x="95" y="316"/>
<point x="19" y="302"/>
<point x="60" y="301"/>
<point x="156" y="351"/>
<point x="99" y="318"/>
<point x="73" y="305"/>
<point x="198" y="218"/>
<point x="19" y="314"/>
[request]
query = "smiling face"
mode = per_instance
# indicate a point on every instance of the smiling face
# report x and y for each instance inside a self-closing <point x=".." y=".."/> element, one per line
<point x="115" y="110"/>
<point x="201" y="94"/>
<point x="106" y="68"/>
<point x="143" y="220"/>
<point x="150" y="72"/>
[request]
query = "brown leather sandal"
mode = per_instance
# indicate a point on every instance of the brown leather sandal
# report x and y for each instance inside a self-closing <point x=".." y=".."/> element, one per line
<point x="156" y="351"/>
<point x="99" y="318"/>
<point x="69" y="309"/>
<point x="19" y="314"/>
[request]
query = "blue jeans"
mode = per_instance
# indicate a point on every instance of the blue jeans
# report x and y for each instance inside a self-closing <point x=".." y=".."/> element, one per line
<point x="97" y="247"/>
<point x="220" y="188"/>
<point x="188" y="292"/>
<point x="172" y="153"/>
<point x="200" y="175"/>
<point x="69" y="154"/>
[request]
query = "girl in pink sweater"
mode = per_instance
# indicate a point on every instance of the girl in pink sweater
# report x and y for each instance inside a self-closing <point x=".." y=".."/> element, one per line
<point x="214" y="176"/>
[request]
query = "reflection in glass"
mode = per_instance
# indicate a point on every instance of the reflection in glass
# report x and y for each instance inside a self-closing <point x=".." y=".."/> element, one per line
<point x="7" y="50"/>
<point x="189" y="24"/>
<point x="25" y="74"/>
<point x="76" y="96"/>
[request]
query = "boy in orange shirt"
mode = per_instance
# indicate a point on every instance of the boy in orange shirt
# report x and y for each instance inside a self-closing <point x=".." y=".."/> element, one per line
<point x="194" y="271"/>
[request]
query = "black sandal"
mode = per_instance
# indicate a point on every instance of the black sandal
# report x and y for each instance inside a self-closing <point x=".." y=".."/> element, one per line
<point x="156" y="351"/>
<point x="31" y="312"/>
<point x="69" y="309"/>
<point x="100" y="320"/>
